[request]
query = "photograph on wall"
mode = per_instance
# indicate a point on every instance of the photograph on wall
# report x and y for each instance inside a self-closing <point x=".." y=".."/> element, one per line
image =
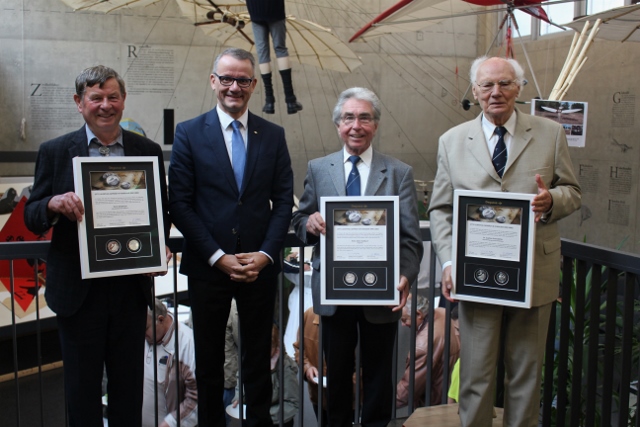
<point x="572" y="115"/>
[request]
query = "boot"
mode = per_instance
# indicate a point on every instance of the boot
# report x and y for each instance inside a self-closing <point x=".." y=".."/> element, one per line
<point x="293" y="106"/>
<point x="269" y="99"/>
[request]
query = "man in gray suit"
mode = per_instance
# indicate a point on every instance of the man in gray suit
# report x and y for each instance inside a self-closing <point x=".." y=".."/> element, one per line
<point x="532" y="157"/>
<point x="356" y="116"/>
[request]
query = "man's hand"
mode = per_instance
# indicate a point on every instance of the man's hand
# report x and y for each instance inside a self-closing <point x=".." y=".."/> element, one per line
<point x="67" y="204"/>
<point x="447" y="283"/>
<point x="403" y="287"/>
<point x="543" y="202"/>
<point x="316" y="225"/>
<point x="312" y="373"/>
<point x="227" y="263"/>
<point x="250" y="265"/>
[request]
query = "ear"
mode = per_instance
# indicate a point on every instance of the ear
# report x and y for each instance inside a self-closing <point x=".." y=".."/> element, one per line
<point x="78" y="101"/>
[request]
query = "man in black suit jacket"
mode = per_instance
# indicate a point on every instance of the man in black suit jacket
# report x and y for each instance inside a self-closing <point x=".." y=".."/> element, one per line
<point x="102" y="321"/>
<point x="234" y="220"/>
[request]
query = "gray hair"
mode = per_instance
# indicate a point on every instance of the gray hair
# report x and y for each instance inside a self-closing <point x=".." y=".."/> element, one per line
<point x="361" y="94"/>
<point x="237" y="53"/>
<point x="97" y="75"/>
<point x="517" y="68"/>
<point x="161" y="309"/>
<point x="422" y="304"/>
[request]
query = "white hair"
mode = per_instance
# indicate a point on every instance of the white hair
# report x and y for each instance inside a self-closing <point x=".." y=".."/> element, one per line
<point x="517" y="68"/>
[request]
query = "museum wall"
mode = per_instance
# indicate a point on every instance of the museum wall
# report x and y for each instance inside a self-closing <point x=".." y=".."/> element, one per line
<point x="420" y="77"/>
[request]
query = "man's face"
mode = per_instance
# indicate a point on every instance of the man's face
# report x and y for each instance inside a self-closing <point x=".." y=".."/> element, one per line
<point x="102" y="107"/>
<point x="357" y="136"/>
<point x="499" y="102"/>
<point x="234" y="100"/>
<point x="160" y="330"/>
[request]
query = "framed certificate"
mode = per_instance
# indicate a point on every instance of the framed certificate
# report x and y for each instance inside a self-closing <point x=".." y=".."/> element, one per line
<point x="360" y="255"/>
<point x="493" y="247"/>
<point x="122" y="231"/>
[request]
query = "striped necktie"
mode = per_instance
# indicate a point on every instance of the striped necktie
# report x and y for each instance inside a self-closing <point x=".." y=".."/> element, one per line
<point x="353" y="182"/>
<point x="500" y="152"/>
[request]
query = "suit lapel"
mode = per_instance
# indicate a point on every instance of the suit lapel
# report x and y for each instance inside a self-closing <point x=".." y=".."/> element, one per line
<point x="213" y="137"/>
<point x="130" y="149"/>
<point x="254" y="149"/>
<point x="377" y="175"/>
<point x="520" y="139"/>
<point x="79" y="146"/>
<point x="477" y="144"/>
<point x="336" y="171"/>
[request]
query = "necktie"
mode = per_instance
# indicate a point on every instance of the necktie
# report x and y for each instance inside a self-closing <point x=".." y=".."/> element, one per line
<point x="353" y="182"/>
<point x="239" y="153"/>
<point x="500" y="152"/>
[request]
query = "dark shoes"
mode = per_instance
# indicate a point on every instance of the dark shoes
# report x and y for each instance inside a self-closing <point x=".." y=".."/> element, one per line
<point x="269" y="108"/>
<point x="293" y="107"/>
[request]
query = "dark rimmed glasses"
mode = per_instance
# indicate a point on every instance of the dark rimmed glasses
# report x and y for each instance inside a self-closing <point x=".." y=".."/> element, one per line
<point x="243" y="82"/>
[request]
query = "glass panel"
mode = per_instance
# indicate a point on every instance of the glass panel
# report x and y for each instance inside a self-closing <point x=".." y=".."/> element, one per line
<point x="595" y="6"/>
<point x="559" y="14"/>
<point x="524" y="23"/>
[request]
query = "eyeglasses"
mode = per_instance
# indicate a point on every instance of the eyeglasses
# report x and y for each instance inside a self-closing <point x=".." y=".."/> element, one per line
<point x="502" y="85"/>
<point x="364" y="119"/>
<point x="228" y="81"/>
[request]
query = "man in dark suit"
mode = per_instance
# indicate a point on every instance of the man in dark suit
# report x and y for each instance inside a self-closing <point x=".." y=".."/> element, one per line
<point x="101" y="321"/>
<point x="231" y="195"/>
<point x="356" y="116"/>
<point x="536" y="161"/>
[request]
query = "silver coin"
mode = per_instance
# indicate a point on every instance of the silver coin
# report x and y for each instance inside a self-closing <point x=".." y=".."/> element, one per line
<point x="370" y="279"/>
<point x="125" y="185"/>
<point x="113" y="246"/>
<point x="133" y="245"/>
<point x="350" y="279"/>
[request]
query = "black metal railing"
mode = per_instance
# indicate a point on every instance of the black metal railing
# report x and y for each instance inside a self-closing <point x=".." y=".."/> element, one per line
<point x="592" y="357"/>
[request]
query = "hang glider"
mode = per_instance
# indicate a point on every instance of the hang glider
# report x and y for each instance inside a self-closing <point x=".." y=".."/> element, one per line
<point x="107" y="6"/>
<point x="413" y="15"/>
<point x="560" y="110"/>
<point x="307" y="42"/>
<point x="619" y="24"/>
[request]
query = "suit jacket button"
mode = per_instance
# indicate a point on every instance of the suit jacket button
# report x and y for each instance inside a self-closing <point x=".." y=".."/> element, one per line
<point x="239" y="202"/>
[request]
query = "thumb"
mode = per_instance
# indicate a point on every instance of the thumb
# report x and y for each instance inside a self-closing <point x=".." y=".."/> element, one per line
<point x="540" y="183"/>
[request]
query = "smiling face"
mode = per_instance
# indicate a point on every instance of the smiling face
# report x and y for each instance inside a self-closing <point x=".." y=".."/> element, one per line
<point x="499" y="103"/>
<point x="233" y="100"/>
<point x="102" y="107"/>
<point x="357" y="136"/>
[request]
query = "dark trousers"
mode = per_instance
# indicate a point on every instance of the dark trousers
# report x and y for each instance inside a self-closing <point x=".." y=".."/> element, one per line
<point x="106" y="332"/>
<point x="340" y="337"/>
<point x="210" y="305"/>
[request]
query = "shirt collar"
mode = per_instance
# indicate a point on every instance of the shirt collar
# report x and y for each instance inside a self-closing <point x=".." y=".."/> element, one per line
<point x="225" y="119"/>
<point x="91" y="135"/>
<point x="489" y="128"/>
<point x="365" y="157"/>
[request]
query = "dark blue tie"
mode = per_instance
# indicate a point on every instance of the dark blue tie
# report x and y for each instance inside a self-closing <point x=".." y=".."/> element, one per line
<point x="238" y="153"/>
<point x="353" y="182"/>
<point x="500" y="152"/>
